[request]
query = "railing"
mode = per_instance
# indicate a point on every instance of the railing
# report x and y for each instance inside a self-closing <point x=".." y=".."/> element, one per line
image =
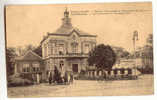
<point x="67" y="55"/>
<point x="114" y="74"/>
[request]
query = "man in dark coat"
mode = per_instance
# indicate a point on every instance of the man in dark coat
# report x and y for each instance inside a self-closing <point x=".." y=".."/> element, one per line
<point x="71" y="77"/>
<point x="57" y="75"/>
<point x="50" y="78"/>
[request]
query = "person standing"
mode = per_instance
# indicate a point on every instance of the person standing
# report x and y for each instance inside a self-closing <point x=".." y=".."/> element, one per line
<point x="71" y="77"/>
<point x="50" y="77"/>
<point x="56" y="76"/>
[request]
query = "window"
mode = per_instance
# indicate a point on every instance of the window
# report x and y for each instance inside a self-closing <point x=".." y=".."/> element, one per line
<point x="74" y="37"/>
<point x="49" y="49"/>
<point x="36" y="67"/>
<point x="26" y="67"/>
<point x="61" y="49"/>
<point x="74" y="47"/>
<point x="52" y="48"/>
<point x="45" y="50"/>
<point x="93" y="45"/>
<point x="87" y="49"/>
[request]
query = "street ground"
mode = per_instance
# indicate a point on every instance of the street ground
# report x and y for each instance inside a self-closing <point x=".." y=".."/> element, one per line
<point x="143" y="86"/>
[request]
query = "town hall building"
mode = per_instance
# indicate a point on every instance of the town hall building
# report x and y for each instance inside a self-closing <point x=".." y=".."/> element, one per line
<point x="67" y="48"/>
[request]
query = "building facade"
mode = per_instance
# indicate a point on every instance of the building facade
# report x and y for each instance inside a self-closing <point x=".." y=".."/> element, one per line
<point x="30" y="66"/>
<point x="67" y="48"/>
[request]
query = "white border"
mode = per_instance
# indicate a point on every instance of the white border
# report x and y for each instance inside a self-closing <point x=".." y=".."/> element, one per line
<point x="3" y="88"/>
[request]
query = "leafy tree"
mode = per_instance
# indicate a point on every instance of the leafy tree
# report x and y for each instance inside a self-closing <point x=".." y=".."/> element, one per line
<point x="38" y="50"/>
<point x="10" y="57"/>
<point x="23" y="49"/>
<point x="146" y="53"/>
<point x="102" y="56"/>
<point x="120" y="52"/>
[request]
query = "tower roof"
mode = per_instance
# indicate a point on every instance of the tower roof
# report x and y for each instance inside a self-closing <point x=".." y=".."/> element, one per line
<point x="67" y="28"/>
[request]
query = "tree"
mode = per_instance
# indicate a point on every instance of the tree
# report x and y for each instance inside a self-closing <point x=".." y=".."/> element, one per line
<point x="10" y="57"/>
<point x="147" y="56"/>
<point x="23" y="49"/>
<point x="102" y="56"/>
<point x="38" y="50"/>
<point x="120" y="52"/>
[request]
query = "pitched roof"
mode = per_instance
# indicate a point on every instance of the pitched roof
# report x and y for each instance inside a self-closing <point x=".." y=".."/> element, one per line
<point x="29" y="56"/>
<point x="66" y="29"/>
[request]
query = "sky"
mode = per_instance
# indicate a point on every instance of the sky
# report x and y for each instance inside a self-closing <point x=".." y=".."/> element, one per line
<point x="113" y="23"/>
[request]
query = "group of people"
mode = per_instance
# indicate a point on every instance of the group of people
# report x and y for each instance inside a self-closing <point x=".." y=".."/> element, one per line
<point x="60" y="76"/>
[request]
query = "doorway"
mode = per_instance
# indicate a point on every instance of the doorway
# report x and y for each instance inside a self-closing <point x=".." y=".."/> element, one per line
<point x="75" y="68"/>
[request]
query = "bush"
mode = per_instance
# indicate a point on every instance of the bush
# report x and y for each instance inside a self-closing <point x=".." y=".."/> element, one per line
<point x="146" y="70"/>
<point x="16" y="80"/>
<point x="82" y="72"/>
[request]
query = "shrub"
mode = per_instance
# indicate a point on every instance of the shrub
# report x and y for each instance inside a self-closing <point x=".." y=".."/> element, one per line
<point x="16" y="80"/>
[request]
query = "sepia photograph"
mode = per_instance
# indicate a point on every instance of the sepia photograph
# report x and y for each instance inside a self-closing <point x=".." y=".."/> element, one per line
<point x="84" y="49"/>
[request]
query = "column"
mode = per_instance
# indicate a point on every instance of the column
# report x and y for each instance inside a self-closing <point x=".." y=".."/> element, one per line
<point x="15" y="70"/>
<point x="88" y="74"/>
<point x="100" y="73"/>
<point x="95" y="73"/>
<point x="91" y="74"/>
<point x="112" y="73"/>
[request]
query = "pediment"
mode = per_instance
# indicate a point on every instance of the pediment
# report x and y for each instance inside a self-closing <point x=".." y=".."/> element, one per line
<point x="74" y="35"/>
<point x="30" y="55"/>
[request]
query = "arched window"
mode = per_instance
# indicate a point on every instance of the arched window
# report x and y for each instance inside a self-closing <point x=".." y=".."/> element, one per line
<point x="61" y="49"/>
<point x="45" y="50"/>
<point x="87" y="48"/>
<point x="74" y="37"/>
<point x="74" y="46"/>
<point x="52" y="48"/>
<point x="49" y="49"/>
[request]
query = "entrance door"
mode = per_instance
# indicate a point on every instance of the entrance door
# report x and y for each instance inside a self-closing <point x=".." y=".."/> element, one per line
<point x="75" y="67"/>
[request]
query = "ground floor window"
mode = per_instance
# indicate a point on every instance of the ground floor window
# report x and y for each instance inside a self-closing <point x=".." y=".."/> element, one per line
<point x="26" y="67"/>
<point x="36" y="67"/>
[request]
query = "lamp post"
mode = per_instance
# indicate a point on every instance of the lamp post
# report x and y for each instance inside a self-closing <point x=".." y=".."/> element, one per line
<point x="135" y="38"/>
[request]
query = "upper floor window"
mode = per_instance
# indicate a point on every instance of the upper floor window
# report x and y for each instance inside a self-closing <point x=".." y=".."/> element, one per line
<point x="61" y="49"/>
<point x="52" y="48"/>
<point x="49" y="48"/>
<point x="45" y="50"/>
<point x="93" y="45"/>
<point x="87" y="48"/>
<point x="74" y="47"/>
